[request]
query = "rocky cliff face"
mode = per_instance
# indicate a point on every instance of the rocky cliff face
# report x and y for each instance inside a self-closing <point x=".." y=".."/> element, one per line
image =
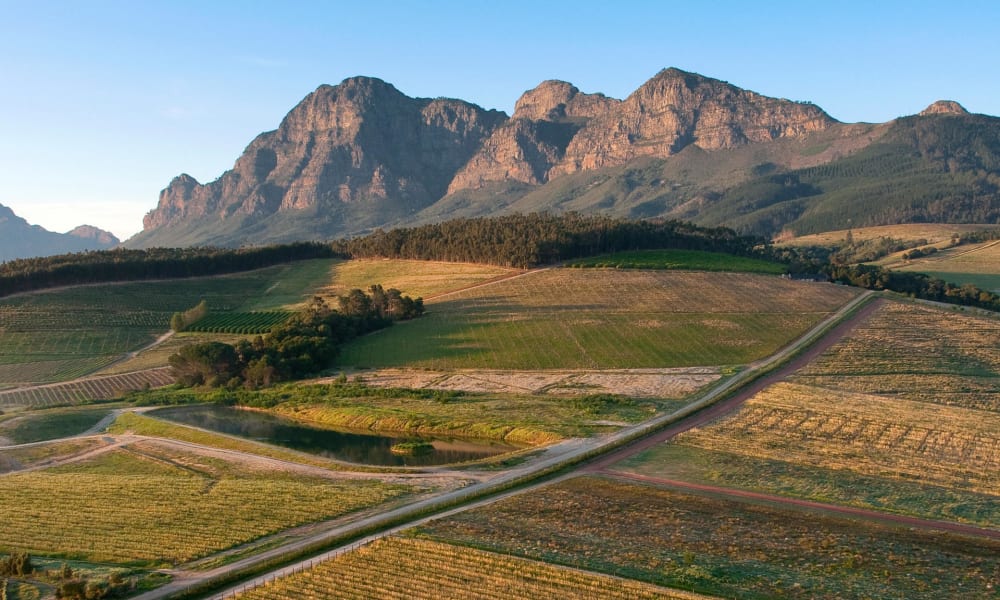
<point x="535" y="139"/>
<point x="944" y="107"/>
<point x="361" y="142"/>
<point x="676" y="109"/>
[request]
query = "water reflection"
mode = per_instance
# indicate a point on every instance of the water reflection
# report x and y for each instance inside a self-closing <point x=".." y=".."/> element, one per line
<point x="362" y="448"/>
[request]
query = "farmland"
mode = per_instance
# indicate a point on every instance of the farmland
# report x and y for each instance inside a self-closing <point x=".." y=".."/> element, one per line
<point x="156" y="506"/>
<point x="722" y="548"/>
<point x="916" y="353"/>
<point x="51" y="424"/>
<point x="690" y="260"/>
<point x="241" y="323"/>
<point x="978" y="264"/>
<point x="412" y="277"/>
<point x="84" y="390"/>
<point x="423" y="569"/>
<point x="575" y="318"/>
<point x="62" y="334"/>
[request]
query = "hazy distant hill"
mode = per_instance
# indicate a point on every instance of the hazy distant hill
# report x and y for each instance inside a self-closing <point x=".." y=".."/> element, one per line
<point x="18" y="239"/>
<point x="361" y="155"/>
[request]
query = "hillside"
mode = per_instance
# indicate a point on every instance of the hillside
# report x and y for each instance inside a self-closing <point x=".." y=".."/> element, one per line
<point x="18" y="239"/>
<point x="362" y="155"/>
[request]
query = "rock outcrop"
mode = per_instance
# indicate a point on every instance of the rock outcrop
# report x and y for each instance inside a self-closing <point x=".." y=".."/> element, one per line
<point x="676" y="109"/>
<point x="535" y="139"/>
<point x="360" y="142"/>
<point x="944" y="107"/>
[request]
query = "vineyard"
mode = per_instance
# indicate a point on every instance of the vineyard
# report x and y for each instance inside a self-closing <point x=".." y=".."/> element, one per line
<point x="85" y="390"/>
<point x="939" y="445"/>
<point x="577" y="318"/>
<point x="978" y="265"/>
<point x="723" y="548"/>
<point x="243" y="323"/>
<point x="149" y="505"/>
<point x="423" y="569"/>
<point x="58" y="335"/>
<point x="14" y="459"/>
<point x="414" y="278"/>
<point x="915" y="353"/>
<point x="691" y="260"/>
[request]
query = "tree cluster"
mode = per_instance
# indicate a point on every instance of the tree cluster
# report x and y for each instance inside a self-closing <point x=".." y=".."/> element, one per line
<point x="16" y="564"/>
<point x="122" y="264"/>
<point x="74" y="587"/>
<point x="302" y="346"/>
<point x="916" y="285"/>
<point x="524" y="241"/>
<point x="182" y="320"/>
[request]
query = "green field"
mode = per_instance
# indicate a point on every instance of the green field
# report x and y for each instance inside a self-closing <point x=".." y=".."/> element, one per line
<point x="604" y="319"/>
<point x="149" y="505"/>
<point x="50" y="424"/>
<point x="723" y="548"/>
<point x="62" y="334"/>
<point x="240" y="323"/>
<point x="690" y="260"/>
<point x="901" y="416"/>
<point x="422" y="569"/>
<point x="977" y="264"/>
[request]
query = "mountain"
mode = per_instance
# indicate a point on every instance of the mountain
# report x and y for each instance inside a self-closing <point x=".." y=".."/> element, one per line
<point x="18" y="239"/>
<point x="361" y="155"/>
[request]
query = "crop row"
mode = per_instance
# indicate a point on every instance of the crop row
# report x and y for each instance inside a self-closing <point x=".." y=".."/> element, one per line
<point x="95" y="388"/>
<point x="916" y="353"/>
<point x="947" y="446"/>
<point x="723" y="548"/>
<point x="52" y="318"/>
<point x="42" y="371"/>
<point x="240" y="322"/>
<point x="122" y="507"/>
<point x="411" y="568"/>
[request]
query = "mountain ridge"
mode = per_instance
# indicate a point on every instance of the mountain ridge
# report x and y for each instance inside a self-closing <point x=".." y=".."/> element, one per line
<point x="19" y="239"/>
<point x="362" y="155"/>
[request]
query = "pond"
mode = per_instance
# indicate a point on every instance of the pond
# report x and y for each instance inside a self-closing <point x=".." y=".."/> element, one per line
<point x="352" y="446"/>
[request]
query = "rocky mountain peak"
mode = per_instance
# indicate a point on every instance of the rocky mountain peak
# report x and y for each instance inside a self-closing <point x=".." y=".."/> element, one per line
<point x="99" y="236"/>
<point x="944" y="107"/>
<point x="676" y="109"/>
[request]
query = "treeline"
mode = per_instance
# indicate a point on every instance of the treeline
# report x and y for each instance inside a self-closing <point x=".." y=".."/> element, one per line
<point x="531" y="240"/>
<point x="121" y="264"/>
<point x="304" y="345"/>
<point x="916" y="285"/>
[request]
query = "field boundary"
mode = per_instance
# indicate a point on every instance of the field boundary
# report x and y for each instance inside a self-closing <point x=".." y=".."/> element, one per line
<point x="565" y="456"/>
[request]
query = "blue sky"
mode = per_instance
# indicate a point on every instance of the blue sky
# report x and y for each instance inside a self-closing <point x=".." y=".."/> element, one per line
<point x="103" y="102"/>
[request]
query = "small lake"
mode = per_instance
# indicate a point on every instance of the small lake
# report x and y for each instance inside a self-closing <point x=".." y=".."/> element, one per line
<point x="351" y="446"/>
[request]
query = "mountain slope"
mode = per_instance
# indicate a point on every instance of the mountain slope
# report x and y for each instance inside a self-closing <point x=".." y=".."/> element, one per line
<point x="361" y="155"/>
<point x="18" y="239"/>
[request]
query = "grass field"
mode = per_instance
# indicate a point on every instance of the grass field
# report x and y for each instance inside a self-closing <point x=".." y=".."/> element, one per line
<point x="724" y="548"/>
<point x="916" y="353"/>
<point x="604" y="319"/>
<point x="151" y="505"/>
<point x="142" y="425"/>
<point x="412" y="277"/>
<point x="690" y="260"/>
<point x="934" y="233"/>
<point x="423" y="569"/>
<point x="977" y="264"/>
<point x="13" y="459"/>
<point x="50" y="424"/>
<point x="61" y="334"/>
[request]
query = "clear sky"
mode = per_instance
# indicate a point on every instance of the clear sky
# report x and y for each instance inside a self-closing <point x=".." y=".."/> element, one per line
<point x="102" y="103"/>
